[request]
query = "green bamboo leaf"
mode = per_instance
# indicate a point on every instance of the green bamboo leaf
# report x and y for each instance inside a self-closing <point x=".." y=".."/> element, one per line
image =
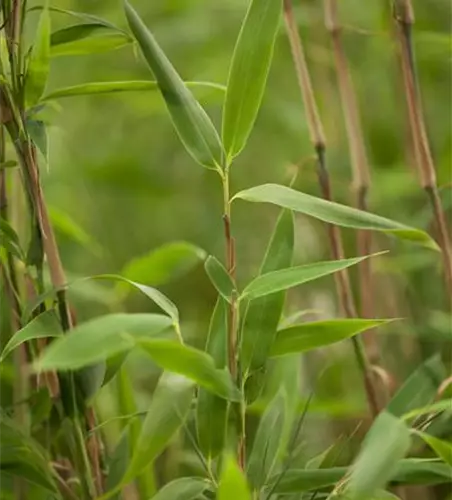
<point x="10" y="240"/>
<point x="220" y="278"/>
<point x="212" y="411"/>
<point x="387" y="442"/>
<point x="308" y="336"/>
<point x="81" y="31"/>
<point x="438" y="407"/>
<point x="419" y="471"/>
<point x="263" y="314"/>
<point x="420" y="388"/>
<point x="93" y="88"/>
<point x="164" y="264"/>
<point x="43" y="326"/>
<point x="443" y="449"/>
<point x="284" y="279"/>
<point x="333" y="213"/>
<point x="184" y="488"/>
<point x="250" y="65"/>
<point x="23" y="457"/>
<point x="193" y="364"/>
<point x="92" y="45"/>
<point x="191" y="122"/>
<point x="38" y="133"/>
<point x="39" y="61"/>
<point x="267" y="445"/>
<point x="232" y="482"/>
<point x="167" y="412"/>
<point x="99" y="339"/>
<point x="8" y="164"/>
<point x="118" y="462"/>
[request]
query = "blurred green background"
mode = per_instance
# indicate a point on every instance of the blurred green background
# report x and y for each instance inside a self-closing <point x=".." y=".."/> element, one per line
<point x="117" y="169"/>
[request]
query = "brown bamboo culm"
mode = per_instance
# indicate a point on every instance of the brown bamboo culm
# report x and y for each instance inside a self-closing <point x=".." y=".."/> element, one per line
<point x="319" y="143"/>
<point x="404" y="20"/>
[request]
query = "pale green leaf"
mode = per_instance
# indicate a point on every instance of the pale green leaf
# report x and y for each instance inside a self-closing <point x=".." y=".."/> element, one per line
<point x="193" y="364"/>
<point x="191" y="122"/>
<point x="443" y="449"/>
<point x="308" y="336"/>
<point x="233" y="483"/>
<point x="184" y="488"/>
<point x="43" y="326"/>
<point x="92" y="45"/>
<point x="82" y="31"/>
<point x="438" y="407"/>
<point x="248" y="73"/>
<point x="220" y="278"/>
<point x="333" y="213"/>
<point x="99" y="339"/>
<point x="284" y="279"/>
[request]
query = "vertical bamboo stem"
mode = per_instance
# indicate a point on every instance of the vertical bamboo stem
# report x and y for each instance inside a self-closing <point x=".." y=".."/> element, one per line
<point x="404" y="20"/>
<point x="319" y="144"/>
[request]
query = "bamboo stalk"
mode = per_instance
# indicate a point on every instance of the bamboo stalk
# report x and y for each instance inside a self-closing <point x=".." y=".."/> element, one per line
<point x="360" y="166"/>
<point x="334" y="234"/>
<point x="404" y="20"/>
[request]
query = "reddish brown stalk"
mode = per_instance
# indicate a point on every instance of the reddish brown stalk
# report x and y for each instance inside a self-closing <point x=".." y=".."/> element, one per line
<point x="404" y="20"/>
<point x="360" y="166"/>
<point x="319" y="143"/>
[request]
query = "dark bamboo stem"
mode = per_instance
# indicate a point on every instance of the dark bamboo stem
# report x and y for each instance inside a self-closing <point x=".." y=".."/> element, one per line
<point x="319" y="144"/>
<point x="404" y="20"/>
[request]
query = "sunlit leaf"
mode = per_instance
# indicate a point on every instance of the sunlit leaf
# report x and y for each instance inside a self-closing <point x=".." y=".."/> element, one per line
<point x="267" y="443"/>
<point x="220" y="278"/>
<point x="438" y="407"/>
<point x="193" y="364"/>
<point x="212" y="411"/>
<point x="184" y="488"/>
<point x="39" y="61"/>
<point x="43" y="326"/>
<point x="308" y="336"/>
<point x="233" y="484"/>
<point x="248" y="73"/>
<point x="169" y="407"/>
<point x="443" y="449"/>
<point x="263" y="314"/>
<point x="93" y="88"/>
<point x="332" y="212"/>
<point x="191" y="122"/>
<point x="99" y="339"/>
<point x="387" y="442"/>
<point x="284" y="279"/>
<point x="92" y="45"/>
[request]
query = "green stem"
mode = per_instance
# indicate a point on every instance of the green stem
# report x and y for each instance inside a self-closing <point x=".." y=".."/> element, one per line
<point x="86" y="479"/>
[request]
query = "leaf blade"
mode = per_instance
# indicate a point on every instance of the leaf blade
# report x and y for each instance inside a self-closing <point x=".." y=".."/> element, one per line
<point x="232" y="482"/>
<point x="219" y="278"/>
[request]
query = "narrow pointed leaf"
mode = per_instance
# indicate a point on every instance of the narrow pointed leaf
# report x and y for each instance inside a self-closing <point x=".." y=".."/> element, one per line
<point x="248" y="73"/>
<point x="387" y="442"/>
<point x="220" y="278"/>
<point x="184" y="488"/>
<point x="91" y="45"/>
<point x="267" y="443"/>
<point x="438" y="407"/>
<point x="43" y="326"/>
<point x="118" y="462"/>
<point x="9" y="239"/>
<point x="169" y="407"/>
<point x="191" y="122"/>
<point x="99" y="339"/>
<point x="193" y="364"/>
<point x="420" y="388"/>
<point x="284" y="279"/>
<point x="308" y="336"/>
<point x="212" y="411"/>
<point x="81" y="31"/>
<point x="333" y="213"/>
<point x="443" y="449"/>
<point x="93" y="88"/>
<point x="233" y="483"/>
<point x="39" y="61"/>
<point x="263" y="314"/>
<point x="38" y="133"/>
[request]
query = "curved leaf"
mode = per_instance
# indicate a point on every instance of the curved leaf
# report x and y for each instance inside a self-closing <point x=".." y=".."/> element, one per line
<point x="308" y="336"/>
<point x="263" y="314"/>
<point x="91" y="45"/>
<point x="43" y="326"/>
<point x="220" y="278"/>
<point x="443" y="449"/>
<point x="93" y="88"/>
<point x="333" y="213"/>
<point x="212" y="411"/>
<point x="232" y="482"/>
<point x="99" y="339"/>
<point x="184" y="488"/>
<point x="248" y="73"/>
<point x="81" y="31"/>
<point x="284" y="279"/>
<point x="9" y="240"/>
<point x="191" y="122"/>
<point x="193" y="364"/>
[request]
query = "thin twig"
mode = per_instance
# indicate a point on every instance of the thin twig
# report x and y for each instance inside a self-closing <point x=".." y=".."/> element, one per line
<point x="319" y="143"/>
<point x="404" y="20"/>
